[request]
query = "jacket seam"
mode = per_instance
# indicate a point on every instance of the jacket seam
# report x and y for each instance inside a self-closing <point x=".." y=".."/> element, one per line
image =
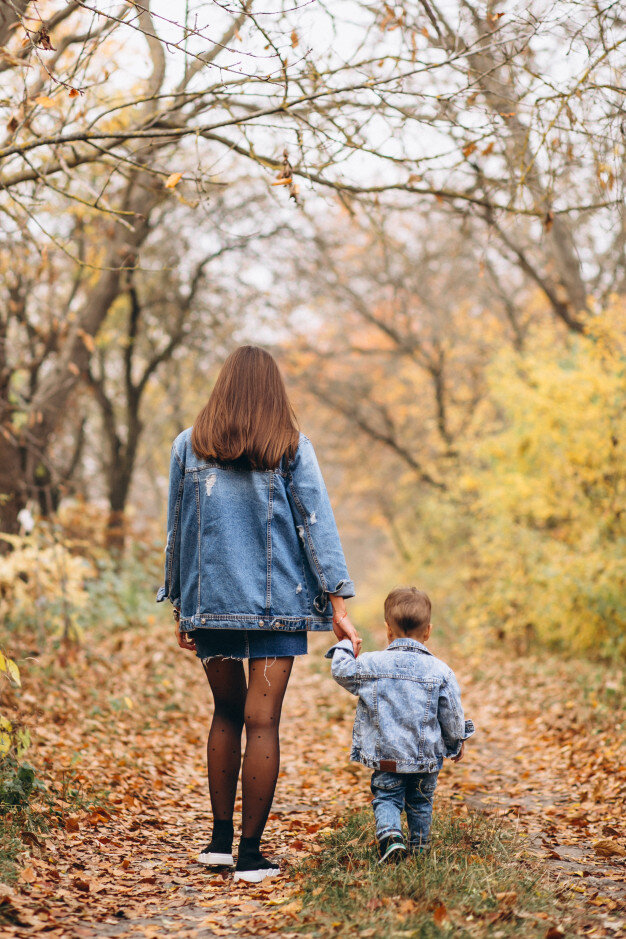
<point x="197" y="493"/>
<point x="174" y="533"/>
<point x="178" y="459"/>
<point x="302" y="511"/>
<point x="268" y="577"/>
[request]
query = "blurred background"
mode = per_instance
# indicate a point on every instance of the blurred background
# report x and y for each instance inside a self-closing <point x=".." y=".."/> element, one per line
<point x="419" y="208"/>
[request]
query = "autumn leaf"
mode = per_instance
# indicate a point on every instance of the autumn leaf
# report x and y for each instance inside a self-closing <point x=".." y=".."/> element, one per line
<point x="5" y="735"/>
<point x="12" y="671"/>
<point x="88" y="340"/>
<point x="607" y="847"/>
<point x="440" y="914"/>
<point x="74" y="93"/>
<point x="172" y="181"/>
<point x="45" y="102"/>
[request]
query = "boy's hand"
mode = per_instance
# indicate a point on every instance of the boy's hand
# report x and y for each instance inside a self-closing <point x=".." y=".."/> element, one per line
<point x="459" y="756"/>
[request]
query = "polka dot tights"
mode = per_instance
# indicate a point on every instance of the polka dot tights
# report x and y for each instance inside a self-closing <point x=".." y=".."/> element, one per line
<point x="256" y="706"/>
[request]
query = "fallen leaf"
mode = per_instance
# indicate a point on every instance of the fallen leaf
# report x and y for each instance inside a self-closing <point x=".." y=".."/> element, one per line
<point x="607" y="847"/>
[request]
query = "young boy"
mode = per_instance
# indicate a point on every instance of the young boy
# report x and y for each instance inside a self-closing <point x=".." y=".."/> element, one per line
<point x="409" y="717"/>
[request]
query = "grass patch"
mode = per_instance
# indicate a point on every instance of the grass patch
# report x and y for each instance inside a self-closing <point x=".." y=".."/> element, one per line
<point x="476" y="881"/>
<point x="20" y="823"/>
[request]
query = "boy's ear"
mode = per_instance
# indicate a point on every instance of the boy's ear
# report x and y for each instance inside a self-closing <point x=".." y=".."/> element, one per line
<point x="429" y="629"/>
<point x="389" y="632"/>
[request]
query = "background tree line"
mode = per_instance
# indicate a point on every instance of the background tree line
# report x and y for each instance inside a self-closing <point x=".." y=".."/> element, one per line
<point x="420" y="207"/>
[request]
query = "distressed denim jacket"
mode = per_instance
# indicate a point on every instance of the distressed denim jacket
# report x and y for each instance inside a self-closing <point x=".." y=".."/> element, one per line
<point x="250" y="549"/>
<point x="409" y="716"/>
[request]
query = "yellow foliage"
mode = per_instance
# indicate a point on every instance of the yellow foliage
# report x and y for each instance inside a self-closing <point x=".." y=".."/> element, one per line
<point x="6" y="738"/>
<point x="528" y="539"/>
<point x="41" y="575"/>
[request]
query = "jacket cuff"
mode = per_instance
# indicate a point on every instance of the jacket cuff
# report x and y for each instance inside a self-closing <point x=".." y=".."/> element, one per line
<point x="345" y="589"/>
<point x="345" y="645"/>
<point x="162" y="594"/>
<point x="469" y="729"/>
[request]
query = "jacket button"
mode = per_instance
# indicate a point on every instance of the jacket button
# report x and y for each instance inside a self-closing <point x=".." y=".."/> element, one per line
<point x="203" y="620"/>
<point x="261" y="623"/>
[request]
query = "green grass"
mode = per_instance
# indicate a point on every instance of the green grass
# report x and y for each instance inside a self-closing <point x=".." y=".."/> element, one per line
<point x="20" y="824"/>
<point x="476" y="881"/>
<point x="28" y="809"/>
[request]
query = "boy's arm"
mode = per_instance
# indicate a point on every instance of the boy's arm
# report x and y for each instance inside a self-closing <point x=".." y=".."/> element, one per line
<point x="454" y="728"/>
<point x="345" y="667"/>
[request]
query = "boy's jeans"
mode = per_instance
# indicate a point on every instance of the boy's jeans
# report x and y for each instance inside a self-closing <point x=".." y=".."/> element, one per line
<point x="410" y="791"/>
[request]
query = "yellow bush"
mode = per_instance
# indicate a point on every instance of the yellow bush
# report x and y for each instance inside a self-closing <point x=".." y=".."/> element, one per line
<point x="41" y="578"/>
<point x="549" y="525"/>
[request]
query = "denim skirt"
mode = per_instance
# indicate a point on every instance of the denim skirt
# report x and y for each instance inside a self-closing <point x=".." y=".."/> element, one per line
<point x="248" y="643"/>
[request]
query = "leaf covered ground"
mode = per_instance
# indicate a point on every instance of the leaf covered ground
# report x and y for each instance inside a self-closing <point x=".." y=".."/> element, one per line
<point x="529" y="832"/>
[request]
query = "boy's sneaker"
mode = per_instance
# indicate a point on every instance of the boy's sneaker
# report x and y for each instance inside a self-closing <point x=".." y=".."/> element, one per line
<point x="392" y="849"/>
<point x="255" y="868"/>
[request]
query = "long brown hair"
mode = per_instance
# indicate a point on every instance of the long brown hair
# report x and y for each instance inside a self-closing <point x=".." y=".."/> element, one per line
<point x="248" y="419"/>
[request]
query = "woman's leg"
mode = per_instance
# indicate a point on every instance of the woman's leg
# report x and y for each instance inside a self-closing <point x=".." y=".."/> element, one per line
<point x="266" y="689"/>
<point x="228" y="684"/>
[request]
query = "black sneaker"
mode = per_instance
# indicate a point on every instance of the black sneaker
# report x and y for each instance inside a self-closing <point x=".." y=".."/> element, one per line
<point x="255" y="869"/>
<point x="216" y="855"/>
<point x="392" y="849"/>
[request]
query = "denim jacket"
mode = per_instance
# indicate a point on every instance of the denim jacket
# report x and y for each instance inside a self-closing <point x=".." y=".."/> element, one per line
<point x="251" y="549"/>
<point x="409" y="716"/>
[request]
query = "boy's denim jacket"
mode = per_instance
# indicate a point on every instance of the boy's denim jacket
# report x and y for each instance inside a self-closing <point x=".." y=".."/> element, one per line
<point x="409" y="716"/>
<point x="250" y="549"/>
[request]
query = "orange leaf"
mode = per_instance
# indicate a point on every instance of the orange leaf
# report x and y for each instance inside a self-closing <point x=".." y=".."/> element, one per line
<point x="45" y="102"/>
<point x="440" y="914"/>
<point x="172" y="181"/>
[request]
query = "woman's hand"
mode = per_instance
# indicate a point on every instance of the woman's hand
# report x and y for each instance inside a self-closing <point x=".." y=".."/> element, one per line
<point x="345" y="630"/>
<point x="342" y="627"/>
<point x="182" y="639"/>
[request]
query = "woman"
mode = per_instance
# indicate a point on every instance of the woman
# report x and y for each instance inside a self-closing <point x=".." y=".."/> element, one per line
<point x="253" y="561"/>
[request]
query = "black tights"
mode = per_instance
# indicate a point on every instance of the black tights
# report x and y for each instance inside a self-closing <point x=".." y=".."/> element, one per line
<point x="258" y="707"/>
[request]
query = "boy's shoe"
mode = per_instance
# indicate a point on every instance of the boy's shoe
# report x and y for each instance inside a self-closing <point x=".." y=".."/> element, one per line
<point x="392" y="849"/>
<point x="255" y="869"/>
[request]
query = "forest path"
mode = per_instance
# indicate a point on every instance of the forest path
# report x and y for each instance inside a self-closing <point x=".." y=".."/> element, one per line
<point x="130" y="718"/>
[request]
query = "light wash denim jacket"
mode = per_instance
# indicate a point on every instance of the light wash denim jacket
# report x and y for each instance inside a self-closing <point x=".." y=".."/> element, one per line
<point x="409" y="716"/>
<point x="250" y="549"/>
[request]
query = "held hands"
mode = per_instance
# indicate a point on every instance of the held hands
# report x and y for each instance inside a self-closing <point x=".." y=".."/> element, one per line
<point x="343" y="629"/>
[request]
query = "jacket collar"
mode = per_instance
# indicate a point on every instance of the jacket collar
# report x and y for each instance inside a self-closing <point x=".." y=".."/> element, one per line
<point x="410" y="645"/>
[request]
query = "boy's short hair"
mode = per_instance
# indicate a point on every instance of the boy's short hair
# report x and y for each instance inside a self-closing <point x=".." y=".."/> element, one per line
<point x="408" y="609"/>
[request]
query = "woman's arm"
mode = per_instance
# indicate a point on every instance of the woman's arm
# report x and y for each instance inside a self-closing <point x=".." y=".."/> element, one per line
<point x="314" y="519"/>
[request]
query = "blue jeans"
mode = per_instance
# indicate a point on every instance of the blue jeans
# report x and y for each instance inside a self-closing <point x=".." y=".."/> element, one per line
<point x="412" y="792"/>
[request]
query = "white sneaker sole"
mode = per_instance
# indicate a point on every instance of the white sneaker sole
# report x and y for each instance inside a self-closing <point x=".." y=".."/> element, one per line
<point x="255" y="877"/>
<point x="210" y="859"/>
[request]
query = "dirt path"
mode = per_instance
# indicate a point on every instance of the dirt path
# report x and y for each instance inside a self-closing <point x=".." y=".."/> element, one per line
<point x="133" y="722"/>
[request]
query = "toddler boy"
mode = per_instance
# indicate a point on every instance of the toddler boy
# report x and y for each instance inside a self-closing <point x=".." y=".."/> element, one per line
<point x="408" y="718"/>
